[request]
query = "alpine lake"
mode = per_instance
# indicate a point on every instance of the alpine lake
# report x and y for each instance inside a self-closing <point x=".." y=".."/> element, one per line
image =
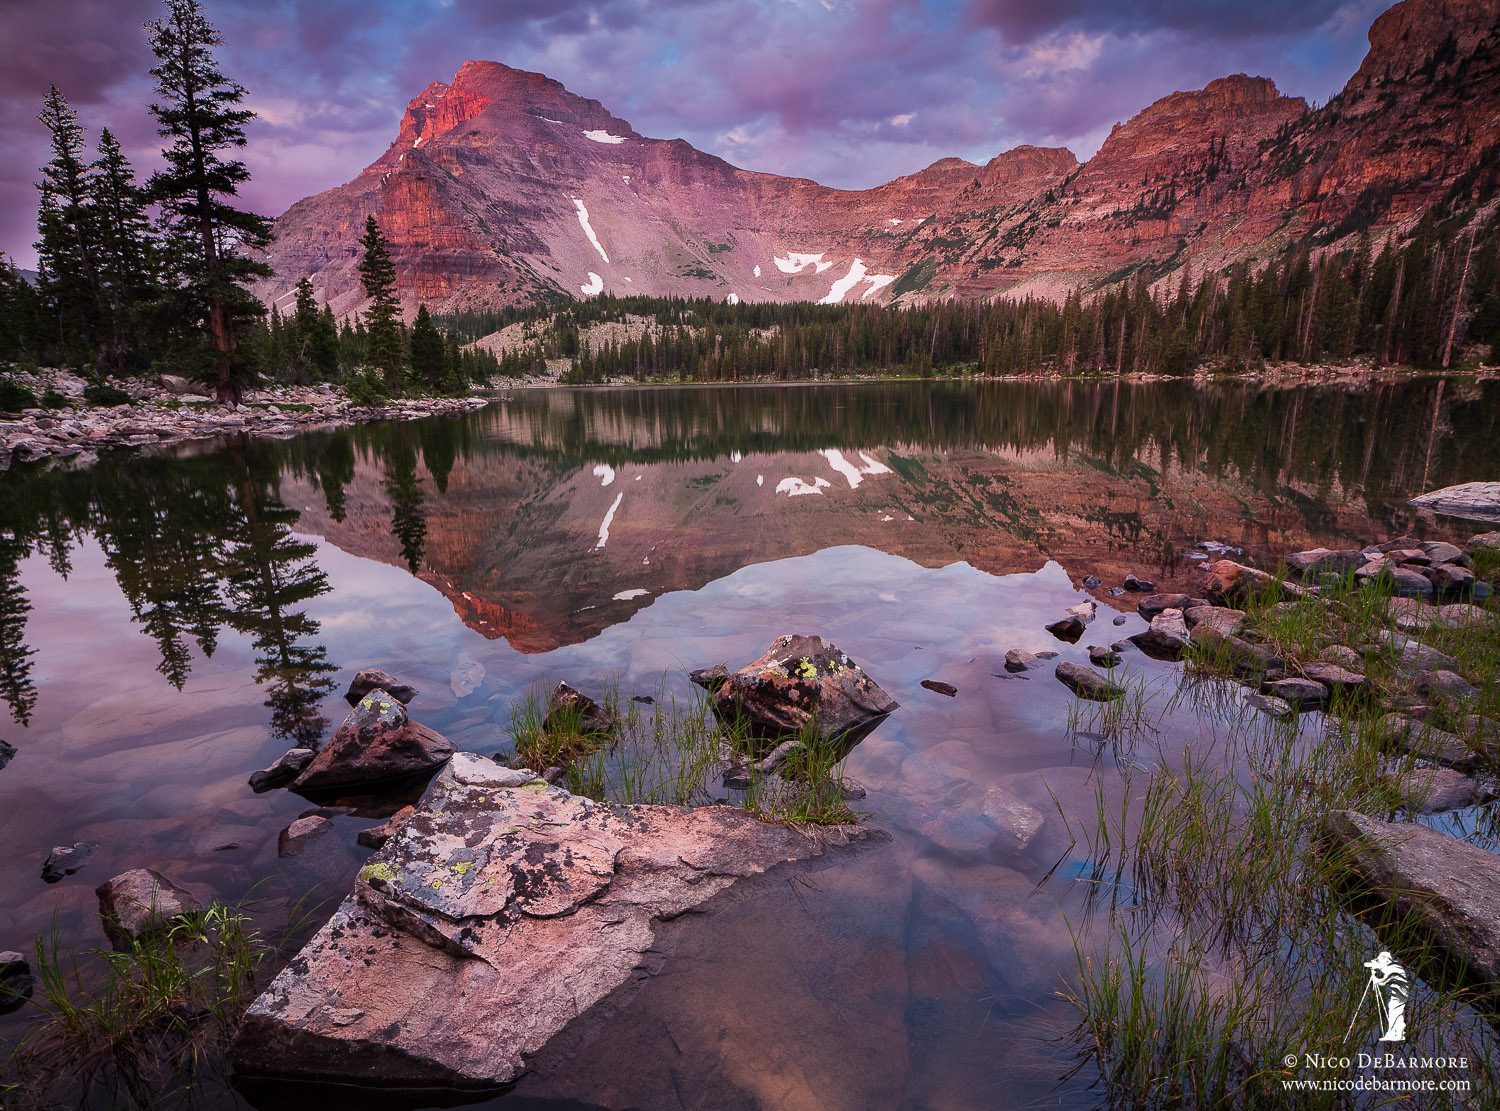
<point x="172" y="621"/>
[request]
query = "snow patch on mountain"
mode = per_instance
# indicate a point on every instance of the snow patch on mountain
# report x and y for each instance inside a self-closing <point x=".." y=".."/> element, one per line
<point x="600" y="136"/>
<point x="609" y="519"/>
<point x="757" y="270"/>
<point x="588" y="230"/>
<point x="594" y="285"/>
<point x="798" y="261"/>
<point x="845" y="284"/>
<point x="795" y="487"/>
<point x="732" y="299"/>
<point x="854" y="475"/>
<point x="877" y="283"/>
<point x="630" y="595"/>
<point x="606" y="472"/>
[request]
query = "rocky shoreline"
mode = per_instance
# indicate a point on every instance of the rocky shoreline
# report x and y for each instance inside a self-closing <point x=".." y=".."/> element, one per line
<point x="172" y="411"/>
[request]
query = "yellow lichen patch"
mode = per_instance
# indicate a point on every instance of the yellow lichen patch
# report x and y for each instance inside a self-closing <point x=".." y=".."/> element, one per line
<point x="464" y="867"/>
<point x="382" y="872"/>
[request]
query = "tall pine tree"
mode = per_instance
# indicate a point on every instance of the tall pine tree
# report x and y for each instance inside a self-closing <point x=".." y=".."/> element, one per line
<point x="199" y="114"/>
<point x="125" y="258"/>
<point x="378" y="274"/>
<point x="427" y="352"/>
<point x="68" y="248"/>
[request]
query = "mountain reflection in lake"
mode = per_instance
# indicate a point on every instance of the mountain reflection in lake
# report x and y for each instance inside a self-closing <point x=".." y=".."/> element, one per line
<point x="171" y="622"/>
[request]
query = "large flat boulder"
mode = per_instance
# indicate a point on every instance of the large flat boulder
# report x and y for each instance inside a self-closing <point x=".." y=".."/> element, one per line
<point x="376" y="741"/>
<point x="1474" y="501"/>
<point x="495" y="915"/>
<point x="799" y="680"/>
<point x="1448" y="888"/>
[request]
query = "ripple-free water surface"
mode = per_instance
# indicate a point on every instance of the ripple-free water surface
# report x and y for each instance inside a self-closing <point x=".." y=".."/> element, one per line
<point x="170" y="623"/>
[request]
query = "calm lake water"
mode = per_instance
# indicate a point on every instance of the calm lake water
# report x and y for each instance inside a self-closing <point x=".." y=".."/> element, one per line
<point x="171" y="622"/>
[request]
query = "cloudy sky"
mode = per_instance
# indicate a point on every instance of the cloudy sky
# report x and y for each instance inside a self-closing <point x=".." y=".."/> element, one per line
<point x="849" y="92"/>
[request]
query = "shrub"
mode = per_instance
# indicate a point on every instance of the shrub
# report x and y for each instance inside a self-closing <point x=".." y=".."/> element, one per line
<point x="54" y="400"/>
<point x="14" y="396"/>
<point x="104" y="394"/>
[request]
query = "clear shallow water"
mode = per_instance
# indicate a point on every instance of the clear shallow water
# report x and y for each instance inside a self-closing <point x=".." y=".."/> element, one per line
<point x="170" y="623"/>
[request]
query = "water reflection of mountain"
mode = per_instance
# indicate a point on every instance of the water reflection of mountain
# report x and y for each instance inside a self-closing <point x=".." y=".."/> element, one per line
<point x="1108" y="478"/>
<point x="502" y="510"/>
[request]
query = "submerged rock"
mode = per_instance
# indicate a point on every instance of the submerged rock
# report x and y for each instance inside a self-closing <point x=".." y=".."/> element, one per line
<point x="571" y="711"/>
<point x="141" y="902"/>
<point x="465" y="677"/>
<point x="374" y="679"/>
<point x="1270" y="704"/>
<point x="296" y="838"/>
<point x="376" y="741"/>
<point x="494" y="917"/>
<point x="7" y="753"/>
<point x="1086" y="683"/>
<point x="799" y="680"/>
<point x="1447" y="889"/>
<point x="64" y="860"/>
<point x="282" y="770"/>
<point x="937" y="686"/>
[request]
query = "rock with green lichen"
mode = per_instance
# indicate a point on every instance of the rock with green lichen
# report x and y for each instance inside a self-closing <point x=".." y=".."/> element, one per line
<point x="801" y="680"/>
<point x="376" y="741"/>
<point x="492" y="918"/>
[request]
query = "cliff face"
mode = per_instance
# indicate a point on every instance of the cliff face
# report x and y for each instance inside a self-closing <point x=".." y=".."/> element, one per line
<point x="503" y="187"/>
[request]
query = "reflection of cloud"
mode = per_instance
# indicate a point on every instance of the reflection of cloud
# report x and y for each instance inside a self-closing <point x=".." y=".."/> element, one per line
<point x="849" y="94"/>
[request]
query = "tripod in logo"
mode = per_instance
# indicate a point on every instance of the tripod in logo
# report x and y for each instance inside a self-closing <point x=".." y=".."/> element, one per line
<point x="1388" y="984"/>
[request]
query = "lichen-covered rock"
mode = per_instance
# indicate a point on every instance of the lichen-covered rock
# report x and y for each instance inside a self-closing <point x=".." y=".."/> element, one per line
<point x="802" y="679"/>
<point x="376" y="741"/>
<point x="492" y="918"/>
<point x="374" y="679"/>
<point x="140" y="902"/>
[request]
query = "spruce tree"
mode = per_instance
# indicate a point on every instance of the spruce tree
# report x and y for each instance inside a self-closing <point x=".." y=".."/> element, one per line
<point x="199" y="113"/>
<point x="383" y="335"/>
<point x="68" y="247"/>
<point x="125" y="263"/>
<point x="427" y="353"/>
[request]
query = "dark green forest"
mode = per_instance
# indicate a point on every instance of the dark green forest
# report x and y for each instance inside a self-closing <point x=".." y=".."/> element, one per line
<point x="1431" y="301"/>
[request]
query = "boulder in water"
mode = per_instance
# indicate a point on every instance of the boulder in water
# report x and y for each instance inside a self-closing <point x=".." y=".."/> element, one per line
<point x="376" y="741"/>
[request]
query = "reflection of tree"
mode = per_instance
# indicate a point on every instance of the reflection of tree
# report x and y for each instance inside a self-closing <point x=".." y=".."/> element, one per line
<point x="16" y="685"/>
<point x="266" y="574"/>
<point x="196" y="545"/>
<point x="334" y="466"/>
<point x="439" y="451"/>
<point x="408" y="520"/>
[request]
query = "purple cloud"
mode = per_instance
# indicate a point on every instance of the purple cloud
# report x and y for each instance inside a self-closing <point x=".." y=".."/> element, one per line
<point x="849" y="92"/>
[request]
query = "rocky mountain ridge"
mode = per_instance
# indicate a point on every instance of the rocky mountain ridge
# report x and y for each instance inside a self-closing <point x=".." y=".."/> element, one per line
<point x="504" y="188"/>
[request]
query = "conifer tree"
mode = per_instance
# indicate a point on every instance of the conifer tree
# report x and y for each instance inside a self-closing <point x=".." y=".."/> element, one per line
<point x="383" y="336"/>
<point x="125" y="264"/>
<point x="427" y="353"/>
<point x="68" y="247"/>
<point x="199" y="113"/>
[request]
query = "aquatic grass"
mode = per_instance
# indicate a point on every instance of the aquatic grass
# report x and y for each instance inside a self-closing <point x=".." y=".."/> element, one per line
<point x="1231" y="938"/>
<point x="671" y="751"/>
<point x="1119" y="722"/>
<point x="142" y="1022"/>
